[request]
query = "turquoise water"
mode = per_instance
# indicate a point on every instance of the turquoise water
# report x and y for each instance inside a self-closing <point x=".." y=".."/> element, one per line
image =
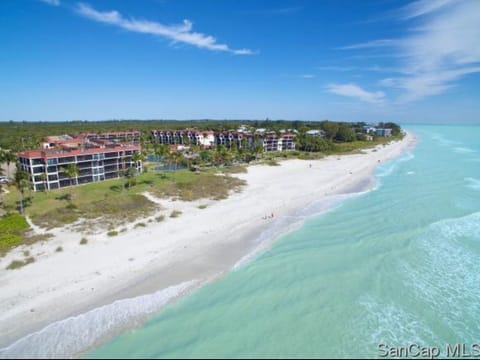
<point x="397" y="265"/>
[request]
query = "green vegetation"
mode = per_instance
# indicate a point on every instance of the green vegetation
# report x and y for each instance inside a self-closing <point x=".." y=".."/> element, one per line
<point x="112" y="233"/>
<point x="17" y="264"/>
<point x="84" y="241"/>
<point x="175" y="213"/>
<point x="140" y="224"/>
<point x="59" y="249"/>
<point x="203" y="206"/>
<point x="160" y="218"/>
<point x="12" y="230"/>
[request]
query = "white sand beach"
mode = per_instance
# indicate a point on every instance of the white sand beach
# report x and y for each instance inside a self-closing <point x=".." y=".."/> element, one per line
<point x="200" y="244"/>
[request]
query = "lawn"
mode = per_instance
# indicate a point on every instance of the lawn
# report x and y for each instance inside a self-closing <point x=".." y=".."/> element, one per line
<point x="112" y="201"/>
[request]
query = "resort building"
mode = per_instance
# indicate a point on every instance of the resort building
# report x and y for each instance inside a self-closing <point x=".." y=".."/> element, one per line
<point x="283" y="142"/>
<point x="383" y="132"/>
<point x="205" y="139"/>
<point x="97" y="157"/>
<point x="228" y="139"/>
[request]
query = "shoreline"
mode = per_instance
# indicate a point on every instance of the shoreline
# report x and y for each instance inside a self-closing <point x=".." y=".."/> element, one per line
<point x="171" y="253"/>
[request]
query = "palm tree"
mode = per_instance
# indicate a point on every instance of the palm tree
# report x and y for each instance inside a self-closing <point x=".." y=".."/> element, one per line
<point x="21" y="183"/>
<point x="43" y="177"/>
<point x="72" y="172"/>
<point x="136" y="157"/>
<point x="129" y="174"/>
<point x="176" y="156"/>
<point x="2" y="158"/>
<point x="8" y="157"/>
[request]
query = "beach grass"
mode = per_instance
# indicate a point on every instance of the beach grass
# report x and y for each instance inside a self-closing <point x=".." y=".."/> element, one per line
<point x="17" y="264"/>
<point x="175" y="213"/>
<point x="109" y="199"/>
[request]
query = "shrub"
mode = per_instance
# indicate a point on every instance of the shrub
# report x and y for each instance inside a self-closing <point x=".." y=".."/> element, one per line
<point x="84" y="241"/>
<point x="160" y="218"/>
<point x="112" y="233"/>
<point x="175" y="213"/>
<point x="59" y="249"/>
<point x="140" y="224"/>
<point x="203" y="206"/>
<point x="17" y="264"/>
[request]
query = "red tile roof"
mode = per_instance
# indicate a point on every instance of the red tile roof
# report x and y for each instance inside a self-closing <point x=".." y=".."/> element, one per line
<point x="53" y="153"/>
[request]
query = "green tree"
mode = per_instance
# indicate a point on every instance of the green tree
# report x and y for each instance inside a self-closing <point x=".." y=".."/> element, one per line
<point x="330" y="128"/>
<point x="43" y="177"/>
<point x="345" y="133"/>
<point x="137" y="157"/>
<point x="8" y="157"/>
<point x="129" y="175"/>
<point x="21" y="182"/>
<point x="71" y="171"/>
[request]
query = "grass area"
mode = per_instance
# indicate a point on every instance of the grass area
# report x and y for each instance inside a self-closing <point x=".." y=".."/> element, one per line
<point x="112" y="233"/>
<point x="160" y="218"/>
<point x="12" y="230"/>
<point x="17" y="264"/>
<point x="110" y="201"/>
<point x="140" y="224"/>
<point x="234" y="169"/>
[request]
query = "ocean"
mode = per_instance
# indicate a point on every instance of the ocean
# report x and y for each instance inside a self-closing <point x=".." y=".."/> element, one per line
<point x="397" y="265"/>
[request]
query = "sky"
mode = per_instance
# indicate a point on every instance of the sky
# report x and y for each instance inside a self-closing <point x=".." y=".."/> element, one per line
<point x="343" y="60"/>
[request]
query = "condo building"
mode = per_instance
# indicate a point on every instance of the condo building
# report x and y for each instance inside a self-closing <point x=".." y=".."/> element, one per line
<point x="96" y="156"/>
<point x="228" y="139"/>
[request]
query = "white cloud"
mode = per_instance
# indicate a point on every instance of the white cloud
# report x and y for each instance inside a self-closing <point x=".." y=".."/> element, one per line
<point x="336" y="68"/>
<point x="423" y="7"/>
<point x="369" y="44"/>
<point x="51" y="2"/>
<point x="181" y="33"/>
<point x="442" y="48"/>
<point x="355" y="91"/>
<point x="307" y="76"/>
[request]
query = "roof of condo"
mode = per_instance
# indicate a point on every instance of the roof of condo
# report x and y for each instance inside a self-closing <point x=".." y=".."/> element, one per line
<point x="64" y="151"/>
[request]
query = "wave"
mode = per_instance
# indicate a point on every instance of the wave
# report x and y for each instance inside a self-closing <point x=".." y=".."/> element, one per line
<point x="473" y="183"/>
<point x="446" y="276"/>
<point x="387" y="322"/>
<point x="463" y="150"/>
<point x="76" y="334"/>
<point x="388" y="168"/>
<point x="440" y="139"/>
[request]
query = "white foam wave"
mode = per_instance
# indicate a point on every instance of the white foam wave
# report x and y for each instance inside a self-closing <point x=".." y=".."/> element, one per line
<point x="440" y="139"/>
<point x="410" y="172"/>
<point x="473" y="183"/>
<point x="463" y="150"/>
<point x="76" y="334"/>
<point x="385" y="322"/>
<point x="447" y="275"/>
<point x="388" y="168"/>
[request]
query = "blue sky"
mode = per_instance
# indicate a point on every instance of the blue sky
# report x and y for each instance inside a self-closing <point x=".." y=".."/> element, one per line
<point x="383" y="60"/>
